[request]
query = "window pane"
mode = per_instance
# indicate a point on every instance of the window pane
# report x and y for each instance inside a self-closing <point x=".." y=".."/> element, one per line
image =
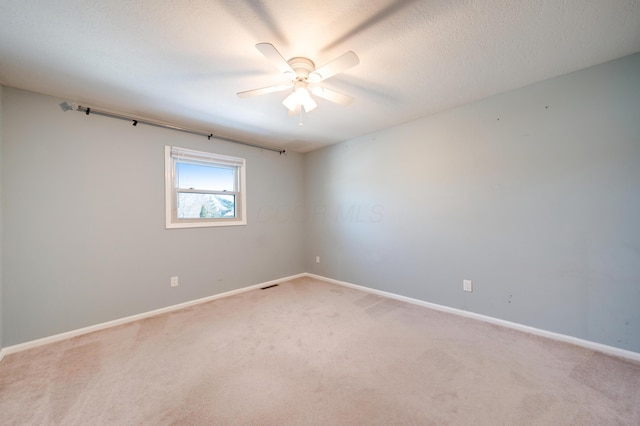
<point x="200" y="206"/>
<point x="197" y="176"/>
<point x="203" y="189"/>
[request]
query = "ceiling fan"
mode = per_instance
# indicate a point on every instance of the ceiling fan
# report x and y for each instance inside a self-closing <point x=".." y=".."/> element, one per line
<point x="303" y="76"/>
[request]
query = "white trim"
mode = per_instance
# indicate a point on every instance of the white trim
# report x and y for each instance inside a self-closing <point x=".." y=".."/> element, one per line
<point x="204" y="157"/>
<point x="610" y="350"/>
<point x="97" y="327"/>
<point x="170" y="154"/>
<point x="168" y="185"/>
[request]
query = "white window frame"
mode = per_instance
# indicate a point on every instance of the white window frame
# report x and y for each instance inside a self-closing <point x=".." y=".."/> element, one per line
<point x="173" y="155"/>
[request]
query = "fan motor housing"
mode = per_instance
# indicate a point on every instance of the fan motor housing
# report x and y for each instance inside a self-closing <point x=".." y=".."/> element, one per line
<point x="302" y="66"/>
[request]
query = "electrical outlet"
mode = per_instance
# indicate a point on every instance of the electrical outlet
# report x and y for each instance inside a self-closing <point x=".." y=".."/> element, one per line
<point x="174" y="281"/>
<point x="467" y="285"/>
<point x="317" y="259"/>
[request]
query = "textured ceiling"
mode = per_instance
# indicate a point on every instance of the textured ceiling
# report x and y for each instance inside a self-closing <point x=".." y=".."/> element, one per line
<point x="183" y="61"/>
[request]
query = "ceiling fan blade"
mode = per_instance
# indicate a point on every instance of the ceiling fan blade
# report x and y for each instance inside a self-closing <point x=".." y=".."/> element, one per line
<point x="331" y="95"/>
<point x="264" y="90"/>
<point x="272" y="54"/>
<point x="334" y="67"/>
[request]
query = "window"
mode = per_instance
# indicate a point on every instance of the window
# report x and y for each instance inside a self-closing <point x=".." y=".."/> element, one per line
<point x="203" y="189"/>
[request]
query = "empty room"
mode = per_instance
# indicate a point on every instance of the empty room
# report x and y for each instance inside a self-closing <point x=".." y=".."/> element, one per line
<point x="418" y="212"/>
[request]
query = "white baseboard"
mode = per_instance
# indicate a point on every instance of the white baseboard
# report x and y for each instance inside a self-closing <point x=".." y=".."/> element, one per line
<point x="610" y="350"/>
<point x="73" y="333"/>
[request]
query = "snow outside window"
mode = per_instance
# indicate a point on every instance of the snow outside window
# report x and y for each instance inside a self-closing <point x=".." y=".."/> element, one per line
<point x="203" y="189"/>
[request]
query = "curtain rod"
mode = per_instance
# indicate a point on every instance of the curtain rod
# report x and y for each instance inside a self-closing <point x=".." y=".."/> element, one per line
<point x="66" y="106"/>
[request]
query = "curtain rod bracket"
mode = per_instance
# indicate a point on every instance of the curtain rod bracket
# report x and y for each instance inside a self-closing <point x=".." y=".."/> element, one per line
<point x="88" y="111"/>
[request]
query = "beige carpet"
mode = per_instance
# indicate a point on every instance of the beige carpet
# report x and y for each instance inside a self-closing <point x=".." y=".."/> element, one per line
<point x="310" y="352"/>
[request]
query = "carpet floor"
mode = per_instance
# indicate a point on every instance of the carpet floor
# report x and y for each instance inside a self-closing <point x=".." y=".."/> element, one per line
<point x="308" y="352"/>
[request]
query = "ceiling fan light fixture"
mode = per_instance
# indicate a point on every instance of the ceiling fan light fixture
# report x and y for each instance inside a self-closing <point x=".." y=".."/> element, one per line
<point x="300" y="97"/>
<point x="291" y="101"/>
<point x="305" y="99"/>
<point x="300" y="72"/>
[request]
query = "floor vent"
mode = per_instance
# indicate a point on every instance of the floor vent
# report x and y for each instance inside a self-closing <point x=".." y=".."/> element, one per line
<point x="269" y="286"/>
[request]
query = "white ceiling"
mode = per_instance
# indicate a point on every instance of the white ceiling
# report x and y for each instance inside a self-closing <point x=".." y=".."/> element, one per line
<point x="182" y="62"/>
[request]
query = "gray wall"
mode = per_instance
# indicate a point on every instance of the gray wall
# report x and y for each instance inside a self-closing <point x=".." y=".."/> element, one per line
<point x="1" y="221"/>
<point x="84" y="239"/>
<point x="533" y="194"/>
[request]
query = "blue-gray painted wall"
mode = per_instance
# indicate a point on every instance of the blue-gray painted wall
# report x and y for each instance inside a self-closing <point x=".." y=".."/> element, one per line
<point x="1" y="223"/>
<point x="84" y="220"/>
<point x="534" y="195"/>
